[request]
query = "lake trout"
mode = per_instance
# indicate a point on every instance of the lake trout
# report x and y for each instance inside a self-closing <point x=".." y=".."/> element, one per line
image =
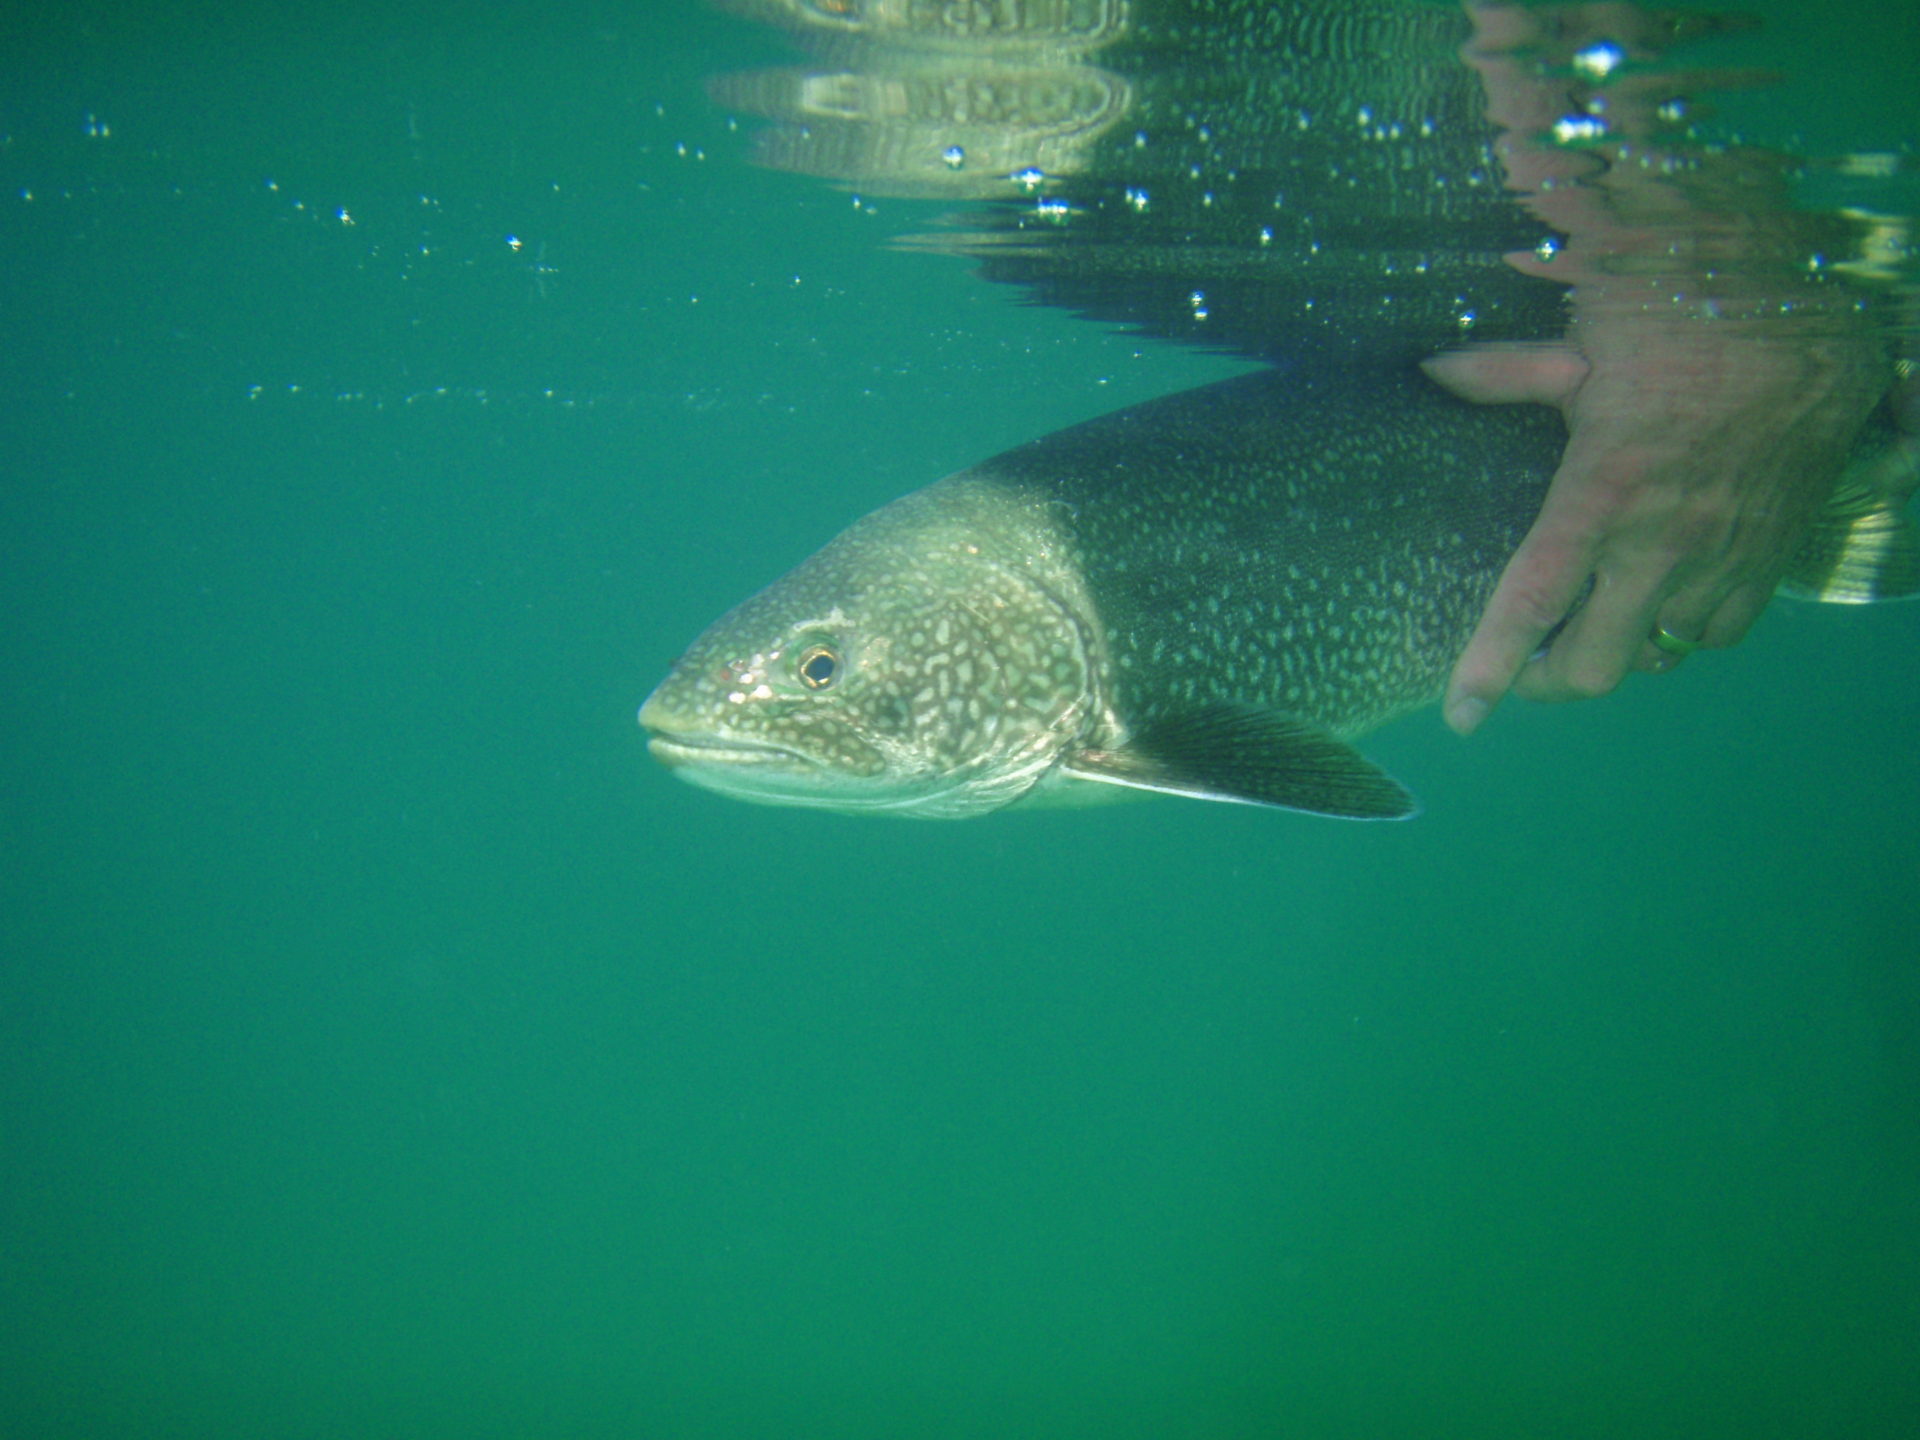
<point x="1210" y="595"/>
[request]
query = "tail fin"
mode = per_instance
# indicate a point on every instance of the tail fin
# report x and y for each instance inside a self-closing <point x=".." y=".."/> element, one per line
<point x="1864" y="547"/>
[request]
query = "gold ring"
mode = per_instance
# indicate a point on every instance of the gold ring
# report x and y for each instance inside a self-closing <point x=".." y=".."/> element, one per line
<point x="1672" y="644"/>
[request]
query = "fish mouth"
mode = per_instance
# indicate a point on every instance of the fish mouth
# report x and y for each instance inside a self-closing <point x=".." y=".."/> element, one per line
<point x="677" y="750"/>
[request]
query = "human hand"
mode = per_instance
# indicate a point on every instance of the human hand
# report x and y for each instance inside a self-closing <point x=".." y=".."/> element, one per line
<point x="1711" y="382"/>
<point x="1695" y="461"/>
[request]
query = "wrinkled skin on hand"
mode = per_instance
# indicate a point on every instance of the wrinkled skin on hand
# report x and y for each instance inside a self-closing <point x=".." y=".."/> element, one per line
<point x="1710" y="389"/>
<point x="1693" y="468"/>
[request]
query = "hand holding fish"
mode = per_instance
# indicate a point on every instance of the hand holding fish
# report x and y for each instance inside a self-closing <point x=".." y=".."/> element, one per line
<point x="1710" y="385"/>
<point x="1693" y="467"/>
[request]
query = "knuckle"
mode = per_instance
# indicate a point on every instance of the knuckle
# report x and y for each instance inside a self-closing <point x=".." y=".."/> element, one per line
<point x="1536" y="600"/>
<point x="1587" y="684"/>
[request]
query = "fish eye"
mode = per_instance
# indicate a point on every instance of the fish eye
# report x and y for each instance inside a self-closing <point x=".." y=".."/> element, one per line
<point x="819" y="667"/>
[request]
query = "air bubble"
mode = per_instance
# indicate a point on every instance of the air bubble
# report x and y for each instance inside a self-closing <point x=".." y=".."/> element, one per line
<point x="1598" y="61"/>
<point x="1575" y="129"/>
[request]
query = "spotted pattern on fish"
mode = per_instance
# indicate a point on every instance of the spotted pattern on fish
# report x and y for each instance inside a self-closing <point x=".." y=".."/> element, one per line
<point x="1291" y="544"/>
<point x="1265" y="546"/>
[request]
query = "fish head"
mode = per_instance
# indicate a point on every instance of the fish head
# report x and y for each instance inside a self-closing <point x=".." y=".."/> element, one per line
<point x="918" y="665"/>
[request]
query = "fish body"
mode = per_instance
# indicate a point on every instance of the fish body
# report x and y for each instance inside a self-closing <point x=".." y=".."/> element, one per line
<point x="1207" y="594"/>
<point x="1211" y="594"/>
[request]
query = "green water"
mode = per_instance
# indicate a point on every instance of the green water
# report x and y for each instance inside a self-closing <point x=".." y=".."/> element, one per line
<point x="388" y="1049"/>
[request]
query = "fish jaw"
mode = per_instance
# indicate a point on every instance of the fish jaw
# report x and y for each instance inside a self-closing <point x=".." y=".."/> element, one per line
<point x="740" y="766"/>
<point x="764" y="777"/>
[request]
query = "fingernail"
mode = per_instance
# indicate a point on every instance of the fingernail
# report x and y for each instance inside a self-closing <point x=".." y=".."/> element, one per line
<point x="1466" y="713"/>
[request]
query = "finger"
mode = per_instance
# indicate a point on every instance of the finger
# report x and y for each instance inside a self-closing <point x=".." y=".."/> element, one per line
<point x="1601" y="643"/>
<point x="1539" y="585"/>
<point x="1667" y="643"/>
<point x="1712" y="615"/>
<point x="1682" y="624"/>
<point x="1729" y="624"/>
<point x="1508" y="374"/>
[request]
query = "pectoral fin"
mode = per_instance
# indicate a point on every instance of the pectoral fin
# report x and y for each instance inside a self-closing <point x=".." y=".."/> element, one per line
<point x="1250" y="756"/>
